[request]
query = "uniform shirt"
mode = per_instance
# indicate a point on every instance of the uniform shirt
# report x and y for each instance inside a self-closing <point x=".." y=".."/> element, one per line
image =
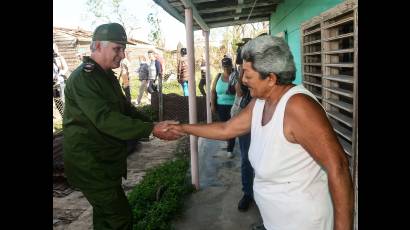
<point x="97" y="122"/>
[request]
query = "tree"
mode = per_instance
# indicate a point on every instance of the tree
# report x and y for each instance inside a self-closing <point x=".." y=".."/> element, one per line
<point x="155" y="35"/>
<point x="106" y="11"/>
<point x="230" y="37"/>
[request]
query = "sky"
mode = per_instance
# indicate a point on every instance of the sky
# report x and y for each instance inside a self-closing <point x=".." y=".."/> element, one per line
<point x="73" y="14"/>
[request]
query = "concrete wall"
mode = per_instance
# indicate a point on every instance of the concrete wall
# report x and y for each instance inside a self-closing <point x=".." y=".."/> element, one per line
<point x="288" y="17"/>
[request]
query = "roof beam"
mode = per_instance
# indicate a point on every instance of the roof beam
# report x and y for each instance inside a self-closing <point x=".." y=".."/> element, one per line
<point x="238" y="22"/>
<point x="193" y="1"/>
<point x="238" y="9"/>
<point x="234" y="7"/>
<point x="171" y="10"/>
<point x="197" y="17"/>
<point x="237" y="16"/>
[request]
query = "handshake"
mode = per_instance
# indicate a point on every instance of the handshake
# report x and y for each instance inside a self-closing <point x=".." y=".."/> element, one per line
<point x="168" y="130"/>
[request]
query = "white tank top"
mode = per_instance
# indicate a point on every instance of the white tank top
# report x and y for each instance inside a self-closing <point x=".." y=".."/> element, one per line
<point x="290" y="188"/>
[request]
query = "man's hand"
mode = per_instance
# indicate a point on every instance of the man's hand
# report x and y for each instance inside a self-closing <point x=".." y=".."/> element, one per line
<point x="162" y="130"/>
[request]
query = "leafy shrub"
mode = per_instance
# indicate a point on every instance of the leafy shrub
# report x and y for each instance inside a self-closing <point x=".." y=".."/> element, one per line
<point x="159" y="196"/>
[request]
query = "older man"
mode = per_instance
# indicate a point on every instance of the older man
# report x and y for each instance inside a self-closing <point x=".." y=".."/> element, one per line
<point x="302" y="179"/>
<point x="98" y="121"/>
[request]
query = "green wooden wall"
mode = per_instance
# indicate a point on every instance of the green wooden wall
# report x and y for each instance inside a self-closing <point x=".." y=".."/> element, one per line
<point x="288" y="17"/>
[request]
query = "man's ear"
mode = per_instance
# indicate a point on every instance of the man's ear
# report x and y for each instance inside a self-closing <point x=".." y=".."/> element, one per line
<point x="272" y="79"/>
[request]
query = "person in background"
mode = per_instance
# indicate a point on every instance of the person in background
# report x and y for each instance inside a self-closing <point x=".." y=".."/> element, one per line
<point x="124" y="77"/>
<point x="182" y="71"/>
<point x="98" y="122"/>
<point x="154" y="71"/>
<point x="302" y="178"/>
<point x="60" y="71"/>
<point x="242" y="99"/>
<point x="202" y="82"/>
<point x="222" y="97"/>
<point x="160" y="63"/>
<point x="143" y="75"/>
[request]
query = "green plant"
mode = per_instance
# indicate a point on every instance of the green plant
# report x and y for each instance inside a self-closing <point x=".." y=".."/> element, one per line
<point x="171" y="87"/>
<point x="159" y="196"/>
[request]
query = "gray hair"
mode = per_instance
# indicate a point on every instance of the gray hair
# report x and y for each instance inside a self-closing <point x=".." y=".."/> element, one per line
<point x="270" y="54"/>
<point x="93" y="45"/>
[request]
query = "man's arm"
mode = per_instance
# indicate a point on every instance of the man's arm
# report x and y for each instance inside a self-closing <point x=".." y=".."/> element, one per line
<point x="90" y="98"/>
<point x="135" y="113"/>
<point x="306" y="123"/>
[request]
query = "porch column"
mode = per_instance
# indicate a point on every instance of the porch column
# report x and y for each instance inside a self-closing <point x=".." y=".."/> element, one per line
<point x="192" y="95"/>
<point x="208" y="79"/>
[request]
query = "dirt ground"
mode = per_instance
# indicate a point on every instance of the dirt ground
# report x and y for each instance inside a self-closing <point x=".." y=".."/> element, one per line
<point x="73" y="212"/>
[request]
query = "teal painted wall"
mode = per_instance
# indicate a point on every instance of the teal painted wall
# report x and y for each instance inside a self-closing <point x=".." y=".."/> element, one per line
<point x="288" y="17"/>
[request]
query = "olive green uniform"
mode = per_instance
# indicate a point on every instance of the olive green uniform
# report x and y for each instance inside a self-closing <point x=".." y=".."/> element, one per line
<point x="97" y="122"/>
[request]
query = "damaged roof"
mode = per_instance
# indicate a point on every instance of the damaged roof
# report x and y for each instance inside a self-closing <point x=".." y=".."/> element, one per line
<point x="86" y="36"/>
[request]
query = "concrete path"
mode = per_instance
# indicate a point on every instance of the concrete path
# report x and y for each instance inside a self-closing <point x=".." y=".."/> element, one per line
<point x="214" y="206"/>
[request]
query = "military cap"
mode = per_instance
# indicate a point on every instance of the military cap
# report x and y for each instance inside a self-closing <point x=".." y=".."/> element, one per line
<point x="112" y="32"/>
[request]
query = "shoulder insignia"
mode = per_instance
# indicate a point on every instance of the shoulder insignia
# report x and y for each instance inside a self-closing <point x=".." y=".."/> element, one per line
<point x="88" y="67"/>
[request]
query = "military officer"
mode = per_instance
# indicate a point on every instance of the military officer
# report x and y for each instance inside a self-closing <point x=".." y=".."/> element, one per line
<point x="98" y="120"/>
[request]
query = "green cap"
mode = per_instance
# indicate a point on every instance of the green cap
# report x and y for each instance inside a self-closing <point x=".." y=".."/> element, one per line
<point x="112" y="32"/>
